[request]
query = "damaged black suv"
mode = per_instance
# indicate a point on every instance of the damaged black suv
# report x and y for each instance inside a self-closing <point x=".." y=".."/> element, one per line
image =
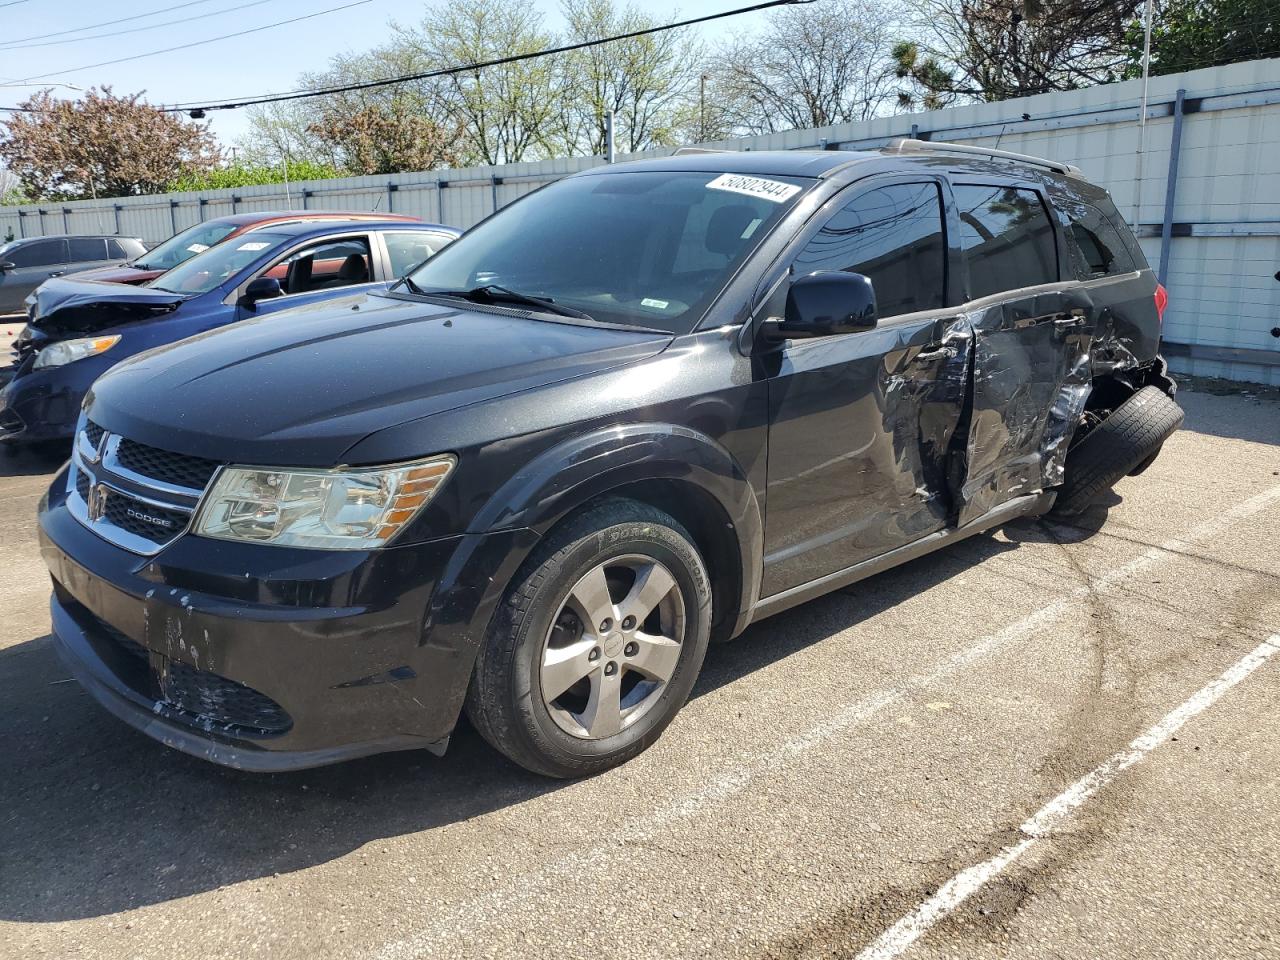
<point x="631" y="413"/>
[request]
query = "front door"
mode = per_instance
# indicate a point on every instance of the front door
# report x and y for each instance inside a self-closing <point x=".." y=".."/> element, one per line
<point x="861" y="424"/>
<point x="317" y="270"/>
<point x="33" y="264"/>
<point x="1031" y="337"/>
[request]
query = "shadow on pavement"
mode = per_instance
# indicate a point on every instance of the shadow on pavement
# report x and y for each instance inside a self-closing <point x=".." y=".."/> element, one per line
<point x="28" y="461"/>
<point x="96" y="818"/>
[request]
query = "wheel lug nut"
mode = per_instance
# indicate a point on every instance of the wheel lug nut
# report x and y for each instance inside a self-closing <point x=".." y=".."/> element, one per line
<point x="610" y="669"/>
<point x="594" y="654"/>
<point x="629" y="623"/>
<point x="606" y="625"/>
<point x="630" y="649"/>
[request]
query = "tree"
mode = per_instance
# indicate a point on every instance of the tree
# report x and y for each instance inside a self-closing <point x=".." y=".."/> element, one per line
<point x="101" y="145"/>
<point x="647" y="82"/>
<point x="810" y="67"/>
<point x="386" y="139"/>
<point x="998" y="49"/>
<point x="504" y="110"/>
<point x="1190" y="34"/>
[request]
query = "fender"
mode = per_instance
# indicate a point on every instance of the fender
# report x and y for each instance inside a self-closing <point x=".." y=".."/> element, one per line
<point x="581" y="469"/>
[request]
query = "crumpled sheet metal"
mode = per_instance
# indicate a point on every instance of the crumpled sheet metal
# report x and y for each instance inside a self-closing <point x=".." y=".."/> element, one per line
<point x="1031" y="379"/>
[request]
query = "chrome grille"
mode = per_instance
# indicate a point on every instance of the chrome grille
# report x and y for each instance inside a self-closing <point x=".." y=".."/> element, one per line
<point x="138" y="497"/>
<point x="93" y="434"/>
<point x="176" y="468"/>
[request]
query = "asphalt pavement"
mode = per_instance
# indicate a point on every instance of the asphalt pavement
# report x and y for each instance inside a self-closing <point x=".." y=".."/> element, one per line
<point x="1056" y="740"/>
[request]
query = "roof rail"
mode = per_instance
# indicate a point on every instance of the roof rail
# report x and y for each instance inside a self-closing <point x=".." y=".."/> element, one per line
<point x="907" y="145"/>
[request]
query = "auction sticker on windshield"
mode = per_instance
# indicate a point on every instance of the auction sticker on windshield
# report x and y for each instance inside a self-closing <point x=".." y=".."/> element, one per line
<point x="772" y="190"/>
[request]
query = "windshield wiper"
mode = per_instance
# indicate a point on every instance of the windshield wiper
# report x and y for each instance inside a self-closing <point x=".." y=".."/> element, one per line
<point x="492" y="293"/>
<point x="408" y="282"/>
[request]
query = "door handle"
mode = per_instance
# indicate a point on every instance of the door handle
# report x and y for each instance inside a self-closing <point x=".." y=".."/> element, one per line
<point x="928" y="356"/>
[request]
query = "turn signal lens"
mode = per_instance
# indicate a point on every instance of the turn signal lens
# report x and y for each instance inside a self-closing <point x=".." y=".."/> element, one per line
<point x="354" y="509"/>
<point x="1162" y="301"/>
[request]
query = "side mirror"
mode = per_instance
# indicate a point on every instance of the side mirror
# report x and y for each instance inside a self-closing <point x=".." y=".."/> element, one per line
<point x="7" y="265"/>
<point x="827" y="303"/>
<point x="263" y="288"/>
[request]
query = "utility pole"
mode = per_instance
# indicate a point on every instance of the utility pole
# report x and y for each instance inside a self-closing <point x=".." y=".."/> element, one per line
<point x="1142" y="117"/>
<point x="608" y="137"/>
<point x="702" y="109"/>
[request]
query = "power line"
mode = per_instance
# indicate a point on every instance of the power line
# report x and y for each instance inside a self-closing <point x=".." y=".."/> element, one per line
<point x="11" y="3"/>
<point x="104" y="23"/>
<point x="198" y="43"/>
<point x="199" y="107"/>
<point x="117" y="33"/>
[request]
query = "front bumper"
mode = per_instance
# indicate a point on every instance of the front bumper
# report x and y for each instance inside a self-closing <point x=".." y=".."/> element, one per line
<point x="42" y="405"/>
<point x="268" y="658"/>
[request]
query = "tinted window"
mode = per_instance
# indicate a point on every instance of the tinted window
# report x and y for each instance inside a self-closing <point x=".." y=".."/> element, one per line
<point x="116" y="250"/>
<point x="41" y="253"/>
<point x="1096" y="248"/>
<point x="408" y="249"/>
<point x="86" y="248"/>
<point x="893" y="235"/>
<point x="646" y="248"/>
<point x="1007" y="239"/>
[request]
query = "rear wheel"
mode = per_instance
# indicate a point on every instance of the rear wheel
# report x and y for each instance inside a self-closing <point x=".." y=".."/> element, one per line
<point x="1126" y="442"/>
<point x="597" y="644"/>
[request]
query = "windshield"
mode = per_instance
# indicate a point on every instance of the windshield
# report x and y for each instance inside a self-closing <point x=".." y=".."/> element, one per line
<point x="183" y="246"/>
<point x="207" y="270"/>
<point x="649" y="249"/>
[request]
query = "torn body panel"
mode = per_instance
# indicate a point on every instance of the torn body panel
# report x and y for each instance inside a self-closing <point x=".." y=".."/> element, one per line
<point x="1032" y="373"/>
<point x="73" y="307"/>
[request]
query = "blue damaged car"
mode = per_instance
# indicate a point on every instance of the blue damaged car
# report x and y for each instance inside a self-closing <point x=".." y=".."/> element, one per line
<point x="78" y="329"/>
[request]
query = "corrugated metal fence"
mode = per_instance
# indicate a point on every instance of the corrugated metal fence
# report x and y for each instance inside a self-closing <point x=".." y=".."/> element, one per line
<point x="1208" y="207"/>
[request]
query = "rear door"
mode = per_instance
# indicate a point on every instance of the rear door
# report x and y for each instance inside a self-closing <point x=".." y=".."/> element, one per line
<point x="85" y="253"/>
<point x="861" y="424"/>
<point x="1031" y="332"/>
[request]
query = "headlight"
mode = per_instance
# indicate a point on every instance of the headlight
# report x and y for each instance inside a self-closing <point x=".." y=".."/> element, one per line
<point x="59" y="354"/>
<point x="355" y="509"/>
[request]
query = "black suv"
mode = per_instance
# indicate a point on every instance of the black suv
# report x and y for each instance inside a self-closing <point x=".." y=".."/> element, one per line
<point x="633" y="412"/>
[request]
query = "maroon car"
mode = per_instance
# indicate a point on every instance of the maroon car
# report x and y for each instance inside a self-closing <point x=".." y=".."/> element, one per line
<point x="199" y="238"/>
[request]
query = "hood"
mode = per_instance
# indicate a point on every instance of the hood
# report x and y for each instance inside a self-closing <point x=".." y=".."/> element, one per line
<point x="72" y="305"/>
<point x="124" y="273"/>
<point x="301" y="387"/>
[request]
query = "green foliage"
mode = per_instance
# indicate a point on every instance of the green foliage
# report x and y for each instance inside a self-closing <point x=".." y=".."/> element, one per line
<point x="1191" y="34"/>
<point x="246" y="175"/>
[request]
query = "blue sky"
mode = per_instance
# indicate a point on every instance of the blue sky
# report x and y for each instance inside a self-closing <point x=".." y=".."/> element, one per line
<point x="265" y="61"/>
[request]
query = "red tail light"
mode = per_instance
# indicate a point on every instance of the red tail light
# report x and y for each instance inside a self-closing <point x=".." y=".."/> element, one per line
<point x="1162" y="301"/>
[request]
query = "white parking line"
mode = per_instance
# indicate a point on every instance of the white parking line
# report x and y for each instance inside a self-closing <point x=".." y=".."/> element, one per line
<point x="477" y="912"/>
<point x="894" y="941"/>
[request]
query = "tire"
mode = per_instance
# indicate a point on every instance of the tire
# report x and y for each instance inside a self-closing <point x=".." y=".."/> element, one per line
<point x="1125" y="442"/>
<point x="540" y="636"/>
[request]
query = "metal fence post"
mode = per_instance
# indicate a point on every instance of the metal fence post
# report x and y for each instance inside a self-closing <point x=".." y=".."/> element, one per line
<point x="115" y="209"/>
<point x="441" y="183"/>
<point x="173" y="216"/>
<point x="608" y="137"/>
<point x="1171" y="185"/>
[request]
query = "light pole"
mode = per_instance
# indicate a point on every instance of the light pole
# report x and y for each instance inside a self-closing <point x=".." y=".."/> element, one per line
<point x="702" y="109"/>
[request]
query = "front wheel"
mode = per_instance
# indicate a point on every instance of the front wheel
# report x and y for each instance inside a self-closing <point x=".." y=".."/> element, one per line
<point x="597" y="644"/>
